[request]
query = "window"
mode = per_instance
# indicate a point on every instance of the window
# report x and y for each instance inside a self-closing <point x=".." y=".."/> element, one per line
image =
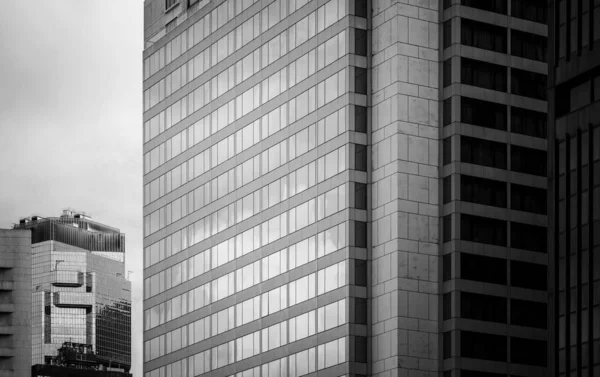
<point x="360" y="234"/>
<point x="447" y="237"/>
<point x="483" y="230"/>
<point x="528" y="84"/>
<point x="360" y="153"/>
<point x="529" y="46"/>
<point x="360" y="119"/>
<point x="482" y="268"/>
<point x="532" y="10"/>
<point x="360" y="311"/>
<point x="447" y="189"/>
<point x="496" y="6"/>
<point x="448" y="33"/>
<point x="447" y="306"/>
<point x="528" y="275"/>
<point x="447" y="111"/>
<point x="483" y="113"/>
<point x="528" y="351"/>
<point x="483" y="346"/>
<point x="447" y="350"/>
<point x="484" y="75"/>
<point x="360" y="42"/>
<point x="360" y="195"/>
<point x="170" y="3"/>
<point x="528" y="237"/>
<point x="528" y="199"/>
<point x="528" y="313"/>
<point x="360" y="272"/>
<point x="482" y="35"/>
<point x="360" y="79"/>
<point x="483" y="152"/>
<point x="483" y="307"/>
<point x="360" y="349"/>
<point x="447" y="72"/>
<point x="447" y="152"/>
<point x="447" y="4"/>
<point x="528" y="161"/>
<point x="483" y="191"/>
<point x="447" y="267"/>
<point x="528" y="122"/>
<point x="580" y="95"/>
<point x="360" y="8"/>
<point x="472" y="373"/>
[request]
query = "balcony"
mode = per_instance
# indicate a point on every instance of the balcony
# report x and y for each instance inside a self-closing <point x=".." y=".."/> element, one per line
<point x="6" y="330"/>
<point x="73" y="299"/>
<point x="7" y="308"/>
<point x="67" y="278"/>
<point x="7" y="352"/>
<point x="7" y="263"/>
<point x="7" y="285"/>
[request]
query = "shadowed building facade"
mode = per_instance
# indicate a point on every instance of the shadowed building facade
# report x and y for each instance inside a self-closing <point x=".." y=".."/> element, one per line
<point x="574" y="188"/>
<point x="328" y="183"/>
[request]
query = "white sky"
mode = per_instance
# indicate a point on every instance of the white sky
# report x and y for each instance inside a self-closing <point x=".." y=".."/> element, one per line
<point x="71" y="119"/>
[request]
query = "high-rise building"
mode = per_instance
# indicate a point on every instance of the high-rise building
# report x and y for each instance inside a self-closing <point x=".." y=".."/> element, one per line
<point x="574" y="188"/>
<point x="15" y="303"/>
<point x="79" y="290"/>
<point x="302" y="159"/>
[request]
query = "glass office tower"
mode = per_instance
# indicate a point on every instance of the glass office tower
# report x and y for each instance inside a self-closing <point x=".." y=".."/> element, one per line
<point x="79" y="290"/>
<point x="574" y="187"/>
<point x="295" y="187"/>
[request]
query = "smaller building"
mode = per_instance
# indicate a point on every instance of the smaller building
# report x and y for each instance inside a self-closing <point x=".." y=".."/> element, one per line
<point x="75" y="360"/>
<point x="15" y="302"/>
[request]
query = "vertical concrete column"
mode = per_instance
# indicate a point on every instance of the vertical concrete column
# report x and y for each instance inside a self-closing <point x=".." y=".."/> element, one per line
<point x="405" y="203"/>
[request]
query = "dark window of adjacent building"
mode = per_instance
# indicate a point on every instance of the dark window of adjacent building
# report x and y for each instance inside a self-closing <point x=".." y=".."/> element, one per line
<point x="483" y="230"/>
<point x="447" y="350"/>
<point x="360" y="45"/>
<point x="528" y="351"/>
<point x="483" y="346"/>
<point x="170" y="3"/>
<point x="447" y="72"/>
<point x="483" y="35"/>
<point x="447" y="4"/>
<point x="496" y="6"/>
<point x="483" y="307"/>
<point x="360" y="311"/>
<point x="596" y="79"/>
<point x="482" y="268"/>
<point x="448" y="33"/>
<point x="483" y="75"/>
<point x="528" y="237"/>
<point x="447" y="237"/>
<point x="528" y="84"/>
<point x="360" y="195"/>
<point x="483" y="152"/>
<point x="447" y="152"/>
<point x="360" y="8"/>
<point x="360" y="234"/>
<point x="360" y="272"/>
<point x="580" y="95"/>
<point x="360" y="154"/>
<point x="447" y="111"/>
<point x="532" y="10"/>
<point x="483" y="191"/>
<point x="528" y="199"/>
<point x="483" y="113"/>
<point x="529" y="46"/>
<point x="447" y="306"/>
<point x="528" y="161"/>
<point x="447" y="190"/>
<point x="360" y="119"/>
<point x="528" y="275"/>
<point x="360" y="349"/>
<point x="528" y="122"/>
<point x="447" y="267"/>
<point x="360" y="80"/>
<point x="528" y="313"/>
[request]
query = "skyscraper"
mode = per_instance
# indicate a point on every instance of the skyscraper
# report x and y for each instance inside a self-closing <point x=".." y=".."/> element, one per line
<point x="80" y="293"/>
<point x="574" y="188"/>
<point x="301" y="159"/>
<point x="15" y="303"/>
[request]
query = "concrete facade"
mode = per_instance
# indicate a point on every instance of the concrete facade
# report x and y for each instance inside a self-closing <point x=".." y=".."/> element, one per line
<point x="15" y="303"/>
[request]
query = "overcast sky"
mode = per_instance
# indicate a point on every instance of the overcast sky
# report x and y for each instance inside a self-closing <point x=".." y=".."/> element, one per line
<point x="71" y="118"/>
